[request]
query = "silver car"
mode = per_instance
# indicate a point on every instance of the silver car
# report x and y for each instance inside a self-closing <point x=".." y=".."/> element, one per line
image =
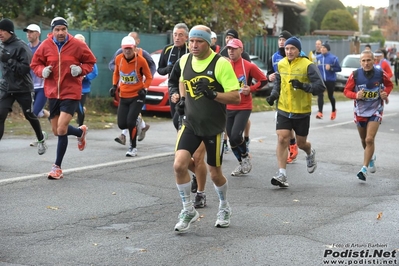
<point x="349" y="64"/>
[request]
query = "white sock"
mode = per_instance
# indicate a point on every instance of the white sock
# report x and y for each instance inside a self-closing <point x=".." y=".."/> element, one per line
<point x="124" y="132"/>
<point x="283" y="171"/>
<point x="222" y="193"/>
<point x="184" y="192"/>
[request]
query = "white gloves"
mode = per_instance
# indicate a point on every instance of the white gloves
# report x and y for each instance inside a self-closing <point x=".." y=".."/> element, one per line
<point x="75" y="70"/>
<point x="46" y="71"/>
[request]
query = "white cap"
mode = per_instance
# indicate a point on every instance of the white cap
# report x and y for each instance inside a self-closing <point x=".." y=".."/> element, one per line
<point x="33" y="27"/>
<point x="128" y="42"/>
<point x="80" y="37"/>
<point x="213" y="35"/>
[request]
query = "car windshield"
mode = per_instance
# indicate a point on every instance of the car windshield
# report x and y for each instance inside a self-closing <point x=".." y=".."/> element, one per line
<point x="351" y="62"/>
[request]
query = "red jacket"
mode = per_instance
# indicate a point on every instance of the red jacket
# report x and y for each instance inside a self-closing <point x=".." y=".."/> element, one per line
<point x="250" y="71"/>
<point x="384" y="65"/>
<point x="61" y="84"/>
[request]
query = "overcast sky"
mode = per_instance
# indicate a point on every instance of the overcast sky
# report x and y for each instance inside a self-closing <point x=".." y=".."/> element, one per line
<point x="374" y="3"/>
<point x="355" y="3"/>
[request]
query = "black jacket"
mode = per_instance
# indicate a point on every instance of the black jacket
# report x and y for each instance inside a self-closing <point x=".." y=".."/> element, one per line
<point x="16" y="71"/>
<point x="169" y="55"/>
<point x="174" y="76"/>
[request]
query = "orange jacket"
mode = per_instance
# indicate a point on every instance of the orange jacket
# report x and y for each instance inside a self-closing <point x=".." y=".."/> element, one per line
<point x="131" y="76"/>
<point x="61" y="84"/>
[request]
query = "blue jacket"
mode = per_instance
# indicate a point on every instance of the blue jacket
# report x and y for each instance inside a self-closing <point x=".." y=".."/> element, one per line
<point x="328" y="59"/>
<point x="86" y="82"/>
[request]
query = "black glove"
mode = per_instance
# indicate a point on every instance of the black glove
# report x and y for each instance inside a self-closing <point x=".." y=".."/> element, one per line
<point x="201" y="86"/>
<point x="169" y="68"/>
<point x="270" y="99"/>
<point x="180" y="106"/>
<point x="112" y="91"/>
<point x="297" y="84"/>
<point x="4" y="55"/>
<point x="142" y="94"/>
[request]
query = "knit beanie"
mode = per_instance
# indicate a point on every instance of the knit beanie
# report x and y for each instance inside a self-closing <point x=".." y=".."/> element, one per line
<point x="58" y="21"/>
<point x="295" y="42"/>
<point x="7" y="25"/>
<point x="327" y="46"/>
<point x="233" y="33"/>
<point x="285" y="34"/>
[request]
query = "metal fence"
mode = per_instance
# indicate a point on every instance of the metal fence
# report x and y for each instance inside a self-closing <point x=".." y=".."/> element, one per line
<point x="105" y="43"/>
<point x="265" y="47"/>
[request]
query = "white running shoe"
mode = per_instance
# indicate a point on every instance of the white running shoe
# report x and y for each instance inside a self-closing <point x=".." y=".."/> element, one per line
<point x="311" y="162"/>
<point x="280" y="180"/>
<point x="223" y="217"/>
<point x="237" y="171"/>
<point x="144" y="130"/>
<point x="185" y="219"/>
<point x="41" y="144"/>
<point x="246" y="165"/>
<point x="132" y="152"/>
<point x="362" y="174"/>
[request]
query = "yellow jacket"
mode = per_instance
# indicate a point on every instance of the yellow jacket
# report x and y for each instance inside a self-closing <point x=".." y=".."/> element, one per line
<point x="312" y="57"/>
<point x="295" y="101"/>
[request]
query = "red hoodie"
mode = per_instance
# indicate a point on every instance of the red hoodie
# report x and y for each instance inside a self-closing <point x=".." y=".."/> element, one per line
<point x="61" y="84"/>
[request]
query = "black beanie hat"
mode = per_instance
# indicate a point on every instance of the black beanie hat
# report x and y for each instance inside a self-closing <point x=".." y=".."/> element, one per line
<point x="232" y="32"/>
<point x="7" y="25"/>
<point x="326" y="45"/>
<point x="285" y="34"/>
<point x="58" y="21"/>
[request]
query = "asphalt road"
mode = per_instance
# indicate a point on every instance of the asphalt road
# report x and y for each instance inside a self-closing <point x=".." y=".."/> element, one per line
<point x="114" y="210"/>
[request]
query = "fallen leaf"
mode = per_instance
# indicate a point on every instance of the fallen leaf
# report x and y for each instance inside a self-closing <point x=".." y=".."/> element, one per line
<point x="52" y="208"/>
<point x="143" y="250"/>
<point x="379" y="216"/>
<point x="95" y="244"/>
<point x="295" y="200"/>
<point x="113" y="193"/>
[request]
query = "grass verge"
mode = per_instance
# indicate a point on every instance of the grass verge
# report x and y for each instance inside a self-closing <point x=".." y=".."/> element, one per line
<point x="101" y="114"/>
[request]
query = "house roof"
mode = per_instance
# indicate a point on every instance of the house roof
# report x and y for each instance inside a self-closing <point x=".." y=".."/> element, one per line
<point x="337" y="32"/>
<point x="289" y="4"/>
